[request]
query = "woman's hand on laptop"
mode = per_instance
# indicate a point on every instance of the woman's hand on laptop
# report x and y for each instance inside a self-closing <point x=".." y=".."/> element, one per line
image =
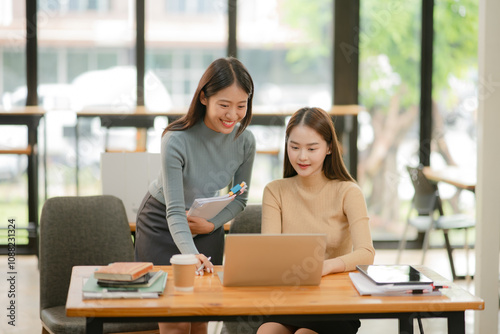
<point x="204" y="264"/>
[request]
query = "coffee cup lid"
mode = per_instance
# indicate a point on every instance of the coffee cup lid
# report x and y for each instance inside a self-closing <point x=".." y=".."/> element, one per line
<point x="183" y="259"/>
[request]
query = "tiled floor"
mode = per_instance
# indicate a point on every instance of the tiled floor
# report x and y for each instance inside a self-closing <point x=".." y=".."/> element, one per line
<point x="27" y="299"/>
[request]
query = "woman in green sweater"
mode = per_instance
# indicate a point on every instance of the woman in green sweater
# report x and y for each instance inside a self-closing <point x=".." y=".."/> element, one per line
<point x="318" y="195"/>
<point x="201" y="153"/>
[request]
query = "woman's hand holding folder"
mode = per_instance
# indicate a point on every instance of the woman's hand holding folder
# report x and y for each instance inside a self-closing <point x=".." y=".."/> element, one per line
<point x="199" y="225"/>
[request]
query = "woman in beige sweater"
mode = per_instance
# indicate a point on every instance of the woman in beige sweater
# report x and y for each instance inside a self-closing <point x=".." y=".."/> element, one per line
<point x="318" y="195"/>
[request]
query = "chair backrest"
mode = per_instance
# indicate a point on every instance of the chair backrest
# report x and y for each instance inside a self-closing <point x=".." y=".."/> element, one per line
<point x="74" y="231"/>
<point x="426" y="199"/>
<point x="248" y="221"/>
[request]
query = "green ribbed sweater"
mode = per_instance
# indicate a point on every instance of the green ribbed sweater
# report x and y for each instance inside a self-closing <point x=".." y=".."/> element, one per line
<point x="197" y="163"/>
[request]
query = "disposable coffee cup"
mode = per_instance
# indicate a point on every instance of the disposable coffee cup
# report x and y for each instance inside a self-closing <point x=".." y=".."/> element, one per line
<point x="184" y="266"/>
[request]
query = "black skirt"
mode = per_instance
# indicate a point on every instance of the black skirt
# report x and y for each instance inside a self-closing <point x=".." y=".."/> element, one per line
<point x="154" y="243"/>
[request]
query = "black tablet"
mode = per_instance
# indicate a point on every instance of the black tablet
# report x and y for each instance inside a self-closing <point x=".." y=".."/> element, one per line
<point x="394" y="274"/>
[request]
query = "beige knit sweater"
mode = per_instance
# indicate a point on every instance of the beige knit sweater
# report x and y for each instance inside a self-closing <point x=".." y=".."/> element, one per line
<point x="319" y="205"/>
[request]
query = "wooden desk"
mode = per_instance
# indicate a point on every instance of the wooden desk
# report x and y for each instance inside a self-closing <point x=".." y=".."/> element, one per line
<point x="29" y="116"/>
<point x="335" y="298"/>
<point x="460" y="178"/>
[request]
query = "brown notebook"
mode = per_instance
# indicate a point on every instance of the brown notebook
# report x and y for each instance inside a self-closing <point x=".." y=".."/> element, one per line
<point x="123" y="271"/>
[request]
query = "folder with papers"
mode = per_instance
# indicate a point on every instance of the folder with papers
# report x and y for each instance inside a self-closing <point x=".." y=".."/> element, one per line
<point x="209" y="207"/>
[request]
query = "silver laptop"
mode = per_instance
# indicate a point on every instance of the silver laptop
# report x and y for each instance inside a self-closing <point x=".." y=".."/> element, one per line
<point x="273" y="259"/>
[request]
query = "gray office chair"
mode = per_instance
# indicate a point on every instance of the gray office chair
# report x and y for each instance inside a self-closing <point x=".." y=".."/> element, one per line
<point x="248" y="221"/>
<point x="80" y="231"/>
<point x="427" y="206"/>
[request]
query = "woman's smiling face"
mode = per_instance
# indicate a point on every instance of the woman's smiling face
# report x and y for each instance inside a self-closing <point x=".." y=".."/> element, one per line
<point x="225" y="108"/>
<point x="306" y="150"/>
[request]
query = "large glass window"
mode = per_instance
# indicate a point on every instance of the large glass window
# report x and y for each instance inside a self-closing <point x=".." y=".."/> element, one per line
<point x="86" y="59"/>
<point x="287" y="46"/>
<point x="182" y="39"/>
<point x="457" y="89"/>
<point x="13" y="177"/>
<point x="12" y="50"/>
<point x="389" y="88"/>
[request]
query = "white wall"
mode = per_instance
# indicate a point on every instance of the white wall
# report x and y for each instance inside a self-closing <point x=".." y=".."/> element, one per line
<point x="488" y="177"/>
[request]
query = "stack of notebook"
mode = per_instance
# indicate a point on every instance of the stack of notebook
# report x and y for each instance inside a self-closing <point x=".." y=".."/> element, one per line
<point x="125" y="280"/>
<point x="392" y="280"/>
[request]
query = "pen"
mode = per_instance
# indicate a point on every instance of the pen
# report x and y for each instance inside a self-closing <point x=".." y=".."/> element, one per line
<point x="202" y="266"/>
<point x="436" y="287"/>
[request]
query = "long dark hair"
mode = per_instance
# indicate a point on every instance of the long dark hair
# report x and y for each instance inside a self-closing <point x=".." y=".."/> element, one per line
<point x="318" y="120"/>
<point x="220" y="74"/>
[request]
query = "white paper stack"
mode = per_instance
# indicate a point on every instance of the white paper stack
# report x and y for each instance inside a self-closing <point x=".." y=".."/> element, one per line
<point x="209" y="207"/>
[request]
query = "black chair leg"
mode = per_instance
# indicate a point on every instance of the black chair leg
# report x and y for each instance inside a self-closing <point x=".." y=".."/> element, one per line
<point x="450" y="256"/>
